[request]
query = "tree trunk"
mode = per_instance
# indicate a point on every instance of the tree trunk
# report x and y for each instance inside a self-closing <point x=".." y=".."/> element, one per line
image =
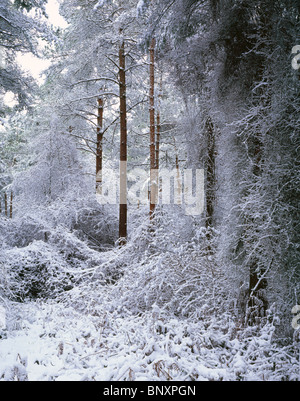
<point x="5" y="204"/>
<point x="211" y="177"/>
<point x="178" y="186"/>
<point x="211" y="173"/>
<point x="157" y="140"/>
<point x="11" y="205"/>
<point x="210" y="183"/>
<point x="99" y="151"/>
<point x="153" y="159"/>
<point x="258" y="303"/>
<point x="123" y="148"/>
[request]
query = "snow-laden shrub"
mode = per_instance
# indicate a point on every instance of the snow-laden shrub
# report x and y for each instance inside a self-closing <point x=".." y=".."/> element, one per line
<point x="96" y="224"/>
<point x="185" y="279"/>
<point x="83" y="261"/>
<point x="160" y="267"/>
<point x="93" y="223"/>
<point x="35" y="271"/>
<point x="46" y="269"/>
<point x="21" y="232"/>
<point x="46" y="252"/>
<point x="41" y="258"/>
<point x="15" y="370"/>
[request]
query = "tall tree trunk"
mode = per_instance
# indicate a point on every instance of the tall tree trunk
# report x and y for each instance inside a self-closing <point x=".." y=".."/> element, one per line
<point x="123" y="147"/>
<point x="153" y="170"/>
<point x="210" y="183"/>
<point x="258" y="303"/>
<point x="157" y="141"/>
<point x="5" y="204"/>
<point x="157" y="154"/>
<point x="11" y="205"/>
<point x="158" y="121"/>
<point x="178" y="193"/>
<point x="211" y="173"/>
<point x="99" y="151"/>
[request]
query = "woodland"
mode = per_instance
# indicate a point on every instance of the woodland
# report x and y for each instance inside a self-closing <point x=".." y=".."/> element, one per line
<point x="149" y="191"/>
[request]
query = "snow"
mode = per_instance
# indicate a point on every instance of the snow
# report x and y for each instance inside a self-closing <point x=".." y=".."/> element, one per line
<point x="134" y="313"/>
<point x="176" y="302"/>
<point x="2" y="318"/>
<point x="46" y="341"/>
<point x="99" y="4"/>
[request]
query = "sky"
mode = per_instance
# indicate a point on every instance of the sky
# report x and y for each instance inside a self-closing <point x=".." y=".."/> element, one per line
<point x="54" y="16"/>
<point x="32" y="64"/>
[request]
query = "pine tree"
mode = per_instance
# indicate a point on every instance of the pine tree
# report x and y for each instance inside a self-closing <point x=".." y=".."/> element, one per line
<point x="19" y="32"/>
<point x="153" y="164"/>
<point x="123" y="146"/>
<point x="231" y="62"/>
<point x="99" y="148"/>
<point x="103" y="56"/>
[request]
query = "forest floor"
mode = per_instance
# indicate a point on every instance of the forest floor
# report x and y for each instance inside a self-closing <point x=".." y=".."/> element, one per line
<point x="144" y="312"/>
<point x="47" y="341"/>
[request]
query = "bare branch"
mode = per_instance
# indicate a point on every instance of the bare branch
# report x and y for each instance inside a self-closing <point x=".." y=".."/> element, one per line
<point x="112" y="61"/>
<point x="87" y="150"/>
<point x="95" y="96"/>
<point x="95" y="80"/>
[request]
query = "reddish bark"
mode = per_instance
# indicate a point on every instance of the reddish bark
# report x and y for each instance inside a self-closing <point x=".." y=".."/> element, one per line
<point x="123" y="147"/>
<point x="99" y="151"/>
<point x="153" y="159"/>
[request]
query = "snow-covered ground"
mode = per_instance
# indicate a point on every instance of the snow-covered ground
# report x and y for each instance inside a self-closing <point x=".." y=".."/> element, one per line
<point x="150" y="311"/>
<point x="52" y="342"/>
